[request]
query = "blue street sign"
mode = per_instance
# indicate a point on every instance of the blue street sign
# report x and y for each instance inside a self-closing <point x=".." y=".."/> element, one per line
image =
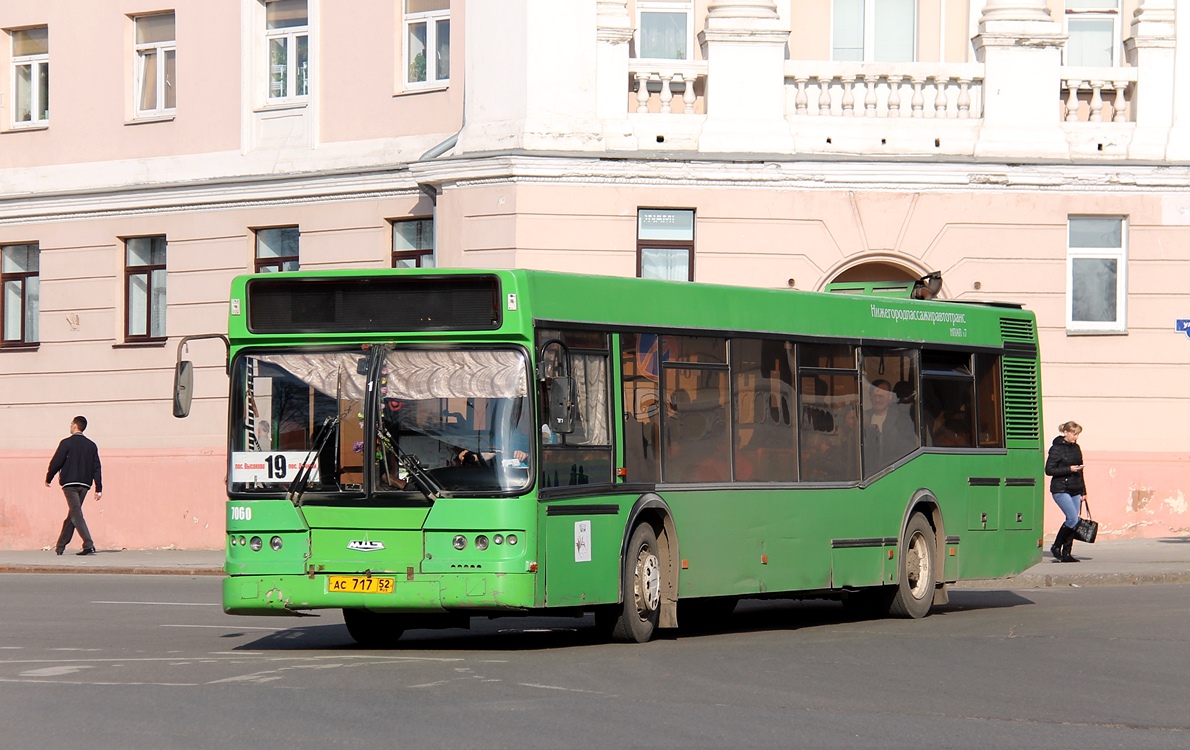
<point x="1184" y="326"/>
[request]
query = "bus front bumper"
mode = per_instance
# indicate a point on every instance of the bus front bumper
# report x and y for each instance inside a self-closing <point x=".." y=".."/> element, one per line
<point x="293" y="594"/>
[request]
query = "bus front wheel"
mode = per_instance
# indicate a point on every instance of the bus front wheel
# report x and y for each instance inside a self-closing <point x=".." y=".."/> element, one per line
<point x="637" y="618"/>
<point x="917" y="571"/>
<point x="373" y="629"/>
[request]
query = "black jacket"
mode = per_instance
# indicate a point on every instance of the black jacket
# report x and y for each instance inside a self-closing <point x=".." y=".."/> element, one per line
<point x="1062" y="456"/>
<point x="77" y="458"/>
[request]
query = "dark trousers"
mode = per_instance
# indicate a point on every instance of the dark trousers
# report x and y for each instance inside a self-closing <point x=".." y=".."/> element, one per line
<point x="75" y="495"/>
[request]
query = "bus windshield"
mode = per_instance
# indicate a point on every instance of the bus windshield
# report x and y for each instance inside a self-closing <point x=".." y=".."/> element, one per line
<point x="453" y="421"/>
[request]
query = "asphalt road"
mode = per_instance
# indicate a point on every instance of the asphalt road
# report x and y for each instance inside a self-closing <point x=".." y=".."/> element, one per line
<point x="137" y="662"/>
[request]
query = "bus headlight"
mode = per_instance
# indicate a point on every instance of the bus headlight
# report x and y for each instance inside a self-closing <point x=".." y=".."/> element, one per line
<point x="481" y="542"/>
<point x="256" y="543"/>
<point x="460" y="541"/>
<point x="276" y="543"/>
<point x="512" y="539"/>
<point x="498" y="539"/>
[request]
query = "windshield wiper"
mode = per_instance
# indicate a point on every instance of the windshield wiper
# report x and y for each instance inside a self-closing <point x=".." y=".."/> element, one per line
<point x="297" y="488"/>
<point x="413" y="468"/>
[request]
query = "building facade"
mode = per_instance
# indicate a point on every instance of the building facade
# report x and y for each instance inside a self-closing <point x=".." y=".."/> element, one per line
<point x="1033" y="152"/>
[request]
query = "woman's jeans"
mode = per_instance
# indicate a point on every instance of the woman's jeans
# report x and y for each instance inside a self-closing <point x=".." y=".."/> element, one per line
<point x="1070" y="505"/>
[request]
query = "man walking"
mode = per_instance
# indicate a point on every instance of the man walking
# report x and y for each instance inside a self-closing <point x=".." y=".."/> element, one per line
<point x="76" y="462"/>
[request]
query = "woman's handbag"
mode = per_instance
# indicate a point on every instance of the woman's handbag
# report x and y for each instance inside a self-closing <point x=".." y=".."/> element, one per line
<point x="1086" y="529"/>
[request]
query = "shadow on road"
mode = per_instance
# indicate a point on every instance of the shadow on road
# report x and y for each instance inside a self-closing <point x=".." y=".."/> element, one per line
<point x="537" y="633"/>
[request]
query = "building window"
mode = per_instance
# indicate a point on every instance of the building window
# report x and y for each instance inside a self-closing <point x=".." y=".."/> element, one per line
<point x="665" y="30"/>
<point x="144" y="287"/>
<point x="277" y="249"/>
<point x="19" y="278"/>
<point x="287" y="36"/>
<point x="156" y="64"/>
<point x="427" y="42"/>
<point x="413" y="244"/>
<point x="1096" y="274"/>
<point x="1093" y="26"/>
<point x="31" y="76"/>
<point x="665" y="244"/>
<point x="874" y="30"/>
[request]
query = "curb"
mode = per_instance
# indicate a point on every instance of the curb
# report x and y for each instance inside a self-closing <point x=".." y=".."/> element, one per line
<point x="112" y="570"/>
<point x="1058" y="580"/>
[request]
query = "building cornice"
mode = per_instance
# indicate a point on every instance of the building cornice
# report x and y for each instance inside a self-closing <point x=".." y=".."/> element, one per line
<point x="852" y="174"/>
<point x="404" y="180"/>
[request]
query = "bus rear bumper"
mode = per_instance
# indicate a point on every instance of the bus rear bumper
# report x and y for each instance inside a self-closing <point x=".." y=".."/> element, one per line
<point x="294" y="594"/>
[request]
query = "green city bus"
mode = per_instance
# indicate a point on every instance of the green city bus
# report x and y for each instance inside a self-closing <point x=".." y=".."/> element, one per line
<point x="417" y="447"/>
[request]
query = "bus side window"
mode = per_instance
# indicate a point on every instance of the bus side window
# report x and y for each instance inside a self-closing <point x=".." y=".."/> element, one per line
<point x="989" y="401"/>
<point x="948" y="399"/>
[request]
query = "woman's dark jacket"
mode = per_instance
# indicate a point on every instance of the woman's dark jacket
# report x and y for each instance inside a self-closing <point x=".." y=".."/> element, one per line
<point x="1062" y="456"/>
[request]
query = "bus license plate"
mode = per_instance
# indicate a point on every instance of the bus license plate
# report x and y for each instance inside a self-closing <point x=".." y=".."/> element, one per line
<point x="359" y="585"/>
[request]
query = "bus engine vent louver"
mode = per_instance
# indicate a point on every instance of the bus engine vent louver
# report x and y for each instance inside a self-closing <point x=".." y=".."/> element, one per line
<point x="1021" y="413"/>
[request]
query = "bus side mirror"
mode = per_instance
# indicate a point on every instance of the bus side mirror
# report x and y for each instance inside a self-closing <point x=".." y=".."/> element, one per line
<point x="183" y="387"/>
<point x="562" y="395"/>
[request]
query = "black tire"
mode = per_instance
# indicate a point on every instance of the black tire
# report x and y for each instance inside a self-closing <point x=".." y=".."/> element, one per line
<point x="917" y="570"/>
<point x="641" y="583"/>
<point x="373" y="629"/>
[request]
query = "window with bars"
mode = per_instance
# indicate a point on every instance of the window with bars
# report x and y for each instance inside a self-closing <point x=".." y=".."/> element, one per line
<point x="144" y="288"/>
<point x="287" y="39"/>
<point x="30" y="76"/>
<point x="427" y="43"/>
<point x="277" y="249"/>
<point x="156" y="65"/>
<point x="21" y="293"/>
<point x="413" y="243"/>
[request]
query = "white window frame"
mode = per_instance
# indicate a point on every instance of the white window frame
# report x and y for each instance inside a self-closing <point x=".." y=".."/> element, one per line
<point x="434" y="78"/>
<point x="870" y="24"/>
<point x="290" y="36"/>
<point x="1120" y="256"/>
<point x="36" y="63"/>
<point x="1111" y="14"/>
<point x="158" y="50"/>
<point x="663" y="6"/>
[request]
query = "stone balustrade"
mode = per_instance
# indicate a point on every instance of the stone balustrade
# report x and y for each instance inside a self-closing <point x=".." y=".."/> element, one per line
<point x="891" y="90"/>
<point x="1097" y="94"/>
<point x="654" y="84"/>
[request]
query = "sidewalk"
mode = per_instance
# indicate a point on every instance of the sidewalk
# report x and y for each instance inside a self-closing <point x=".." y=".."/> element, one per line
<point x="1107" y="562"/>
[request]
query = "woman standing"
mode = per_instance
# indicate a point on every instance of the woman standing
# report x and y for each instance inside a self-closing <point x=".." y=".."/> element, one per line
<point x="1065" y="466"/>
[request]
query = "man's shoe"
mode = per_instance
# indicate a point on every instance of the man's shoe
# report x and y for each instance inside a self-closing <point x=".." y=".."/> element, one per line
<point x="87" y="551"/>
<point x="59" y="551"/>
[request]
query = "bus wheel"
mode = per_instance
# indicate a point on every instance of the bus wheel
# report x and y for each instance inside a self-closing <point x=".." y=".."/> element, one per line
<point x="915" y="587"/>
<point x="373" y="629"/>
<point x="638" y="616"/>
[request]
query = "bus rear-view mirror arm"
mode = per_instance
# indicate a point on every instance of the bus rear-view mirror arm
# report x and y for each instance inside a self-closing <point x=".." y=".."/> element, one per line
<point x="184" y="372"/>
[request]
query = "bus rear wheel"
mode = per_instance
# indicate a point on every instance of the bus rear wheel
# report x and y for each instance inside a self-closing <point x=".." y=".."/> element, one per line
<point x="637" y="618"/>
<point x="917" y="571"/>
<point x="373" y="629"/>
